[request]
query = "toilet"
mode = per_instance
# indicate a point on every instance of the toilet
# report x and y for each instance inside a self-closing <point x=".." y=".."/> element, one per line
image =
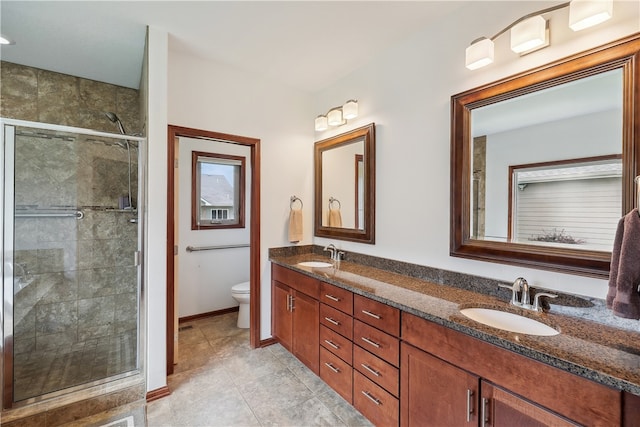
<point x="240" y="293"/>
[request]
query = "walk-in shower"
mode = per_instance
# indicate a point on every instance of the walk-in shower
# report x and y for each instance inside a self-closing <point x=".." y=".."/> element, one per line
<point x="72" y="277"/>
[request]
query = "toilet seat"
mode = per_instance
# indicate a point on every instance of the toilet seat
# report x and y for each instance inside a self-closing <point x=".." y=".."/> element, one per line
<point x="241" y="288"/>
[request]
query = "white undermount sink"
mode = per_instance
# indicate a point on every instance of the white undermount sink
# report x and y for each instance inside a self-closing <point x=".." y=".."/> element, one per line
<point x="508" y="321"/>
<point x="316" y="264"/>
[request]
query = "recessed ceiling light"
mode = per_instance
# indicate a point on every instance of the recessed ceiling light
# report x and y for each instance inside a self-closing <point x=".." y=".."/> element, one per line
<point x="5" y="40"/>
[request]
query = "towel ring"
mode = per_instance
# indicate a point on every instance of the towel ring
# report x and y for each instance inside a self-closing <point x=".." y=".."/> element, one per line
<point x="293" y="200"/>
<point x="333" y="199"/>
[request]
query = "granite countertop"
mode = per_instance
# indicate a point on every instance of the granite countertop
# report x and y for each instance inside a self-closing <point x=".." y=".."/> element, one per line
<point x="605" y="354"/>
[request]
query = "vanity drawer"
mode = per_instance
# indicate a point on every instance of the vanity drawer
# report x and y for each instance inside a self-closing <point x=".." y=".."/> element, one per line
<point x="336" y="297"/>
<point x="337" y="373"/>
<point x="336" y="344"/>
<point x="336" y="320"/>
<point x="382" y="316"/>
<point x="377" y="405"/>
<point x="377" y="342"/>
<point x="295" y="280"/>
<point x="377" y="370"/>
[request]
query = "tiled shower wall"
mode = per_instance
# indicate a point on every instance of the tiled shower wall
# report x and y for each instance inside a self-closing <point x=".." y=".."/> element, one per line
<point x="75" y="306"/>
<point x="37" y="95"/>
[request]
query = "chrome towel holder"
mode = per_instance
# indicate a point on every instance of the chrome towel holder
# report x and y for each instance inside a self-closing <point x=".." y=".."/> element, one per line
<point x="293" y="199"/>
<point x="334" y="200"/>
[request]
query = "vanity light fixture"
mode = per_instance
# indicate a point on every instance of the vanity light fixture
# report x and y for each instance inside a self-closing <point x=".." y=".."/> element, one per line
<point x="337" y="116"/>
<point x="531" y="32"/>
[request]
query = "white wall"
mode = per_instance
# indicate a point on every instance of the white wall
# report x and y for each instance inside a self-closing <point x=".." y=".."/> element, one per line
<point x="211" y="96"/>
<point x="156" y="212"/>
<point x="407" y="92"/>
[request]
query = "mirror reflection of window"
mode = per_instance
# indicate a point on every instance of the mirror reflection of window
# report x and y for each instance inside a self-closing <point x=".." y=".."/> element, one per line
<point x="218" y="191"/>
<point x="571" y="203"/>
<point x="575" y="120"/>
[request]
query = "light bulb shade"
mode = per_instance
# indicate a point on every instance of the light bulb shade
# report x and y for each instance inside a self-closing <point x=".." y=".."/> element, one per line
<point x="334" y="116"/>
<point x="350" y="109"/>
<point x="587" y="13"/>
<point x="479" y="54"/>
<point x="529" y="34"/>
<point x="321" y="123"/>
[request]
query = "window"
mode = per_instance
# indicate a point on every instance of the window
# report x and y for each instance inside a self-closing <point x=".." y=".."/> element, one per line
<point x="218" y="191"/>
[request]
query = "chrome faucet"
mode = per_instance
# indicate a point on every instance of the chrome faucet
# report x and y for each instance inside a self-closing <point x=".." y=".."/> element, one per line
<point x="336" y="254"/>
<point x="331" y="248"/>
<point x="522" y="286"/>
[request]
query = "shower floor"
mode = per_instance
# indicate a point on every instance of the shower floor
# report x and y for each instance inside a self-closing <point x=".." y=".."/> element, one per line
<point x="41" y="372"/>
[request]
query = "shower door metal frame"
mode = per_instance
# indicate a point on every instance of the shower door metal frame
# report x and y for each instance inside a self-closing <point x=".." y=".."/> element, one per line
<point x="7" y="158"/>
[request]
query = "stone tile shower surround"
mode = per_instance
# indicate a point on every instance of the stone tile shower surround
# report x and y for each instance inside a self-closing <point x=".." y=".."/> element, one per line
<point x="28" y="93"/>
<point x="75" y="305"/>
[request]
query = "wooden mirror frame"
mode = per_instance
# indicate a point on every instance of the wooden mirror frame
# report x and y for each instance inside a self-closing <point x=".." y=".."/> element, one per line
<point x="623" y="54"/>
<point x="366" y="235"/>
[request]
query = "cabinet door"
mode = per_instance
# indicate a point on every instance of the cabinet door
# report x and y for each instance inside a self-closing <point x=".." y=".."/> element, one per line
<point x="281" y="315"/>
<point x="435" y="393"/>
<point x="501" y="408"/>
<point x="306" y="330"/>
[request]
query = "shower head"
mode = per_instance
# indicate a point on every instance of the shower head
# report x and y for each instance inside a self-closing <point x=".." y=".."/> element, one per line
<point x="114" y="118"/>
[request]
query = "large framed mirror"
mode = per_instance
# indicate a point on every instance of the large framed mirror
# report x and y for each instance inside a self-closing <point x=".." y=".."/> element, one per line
<point x="345" y="186"/>
<point x="543" y="163"/>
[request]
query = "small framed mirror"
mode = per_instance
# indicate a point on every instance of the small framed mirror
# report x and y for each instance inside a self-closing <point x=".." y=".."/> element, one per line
<point x="543" y="163"/>
<point x="345" y="186"/>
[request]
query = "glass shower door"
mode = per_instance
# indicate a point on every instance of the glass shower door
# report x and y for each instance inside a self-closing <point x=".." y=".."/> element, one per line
<point x="74" y="307"/>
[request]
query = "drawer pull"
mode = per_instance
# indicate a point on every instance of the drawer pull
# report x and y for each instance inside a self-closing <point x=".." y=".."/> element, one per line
<point x="370" y="369"/>
<point x="371" y="398"/>
<point x="330" y="320"/>
<point x="469" y="405"/>
<point x="485" y="411"/>
<point x="332" y="298"/>
<point x="333" y="368"/>
<point x="332" y="344"/>
<point x="373" y="343"/>
<point x="368" y="313"/>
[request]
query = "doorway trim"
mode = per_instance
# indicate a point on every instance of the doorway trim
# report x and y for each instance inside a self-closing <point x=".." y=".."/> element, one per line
<point x="174" y="132"/>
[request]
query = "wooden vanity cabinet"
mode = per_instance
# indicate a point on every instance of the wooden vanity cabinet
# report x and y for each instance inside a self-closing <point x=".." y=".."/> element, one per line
<point x="295" y="314"/>
<point x="513" y="389"/>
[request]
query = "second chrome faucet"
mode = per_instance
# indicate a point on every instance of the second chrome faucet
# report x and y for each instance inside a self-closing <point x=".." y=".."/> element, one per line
<point x="336" y="254"/>
<point x="520" y="285"/>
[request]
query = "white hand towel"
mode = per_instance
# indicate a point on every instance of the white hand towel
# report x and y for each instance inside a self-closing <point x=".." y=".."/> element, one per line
<point x="295" y="225"/>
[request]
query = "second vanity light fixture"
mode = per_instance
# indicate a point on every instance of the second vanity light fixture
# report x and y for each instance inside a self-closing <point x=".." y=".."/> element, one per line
<point x="337" y="116"/>
<point x="531" y="32"/>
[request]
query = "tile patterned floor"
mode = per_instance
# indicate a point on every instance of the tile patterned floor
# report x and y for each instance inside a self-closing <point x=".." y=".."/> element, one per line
<point x="221" y="381"/>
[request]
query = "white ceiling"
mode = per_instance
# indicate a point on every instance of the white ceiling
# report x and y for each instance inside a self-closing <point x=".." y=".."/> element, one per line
<point x="304" y="44"/>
